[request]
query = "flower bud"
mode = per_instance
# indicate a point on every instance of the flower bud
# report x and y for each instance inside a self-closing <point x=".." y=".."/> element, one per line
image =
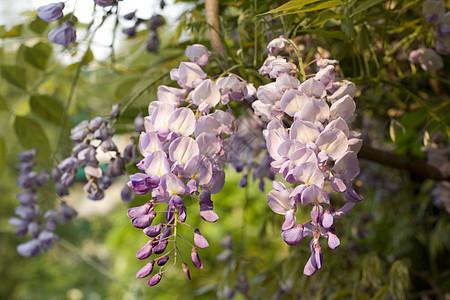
<point x="199" y="239"/>
<point x="27" y="156"/>
<point x="51" y="12"/>
<point x="146" y="270"/>
<point x="143" y="221"/>
<point x="160" y="247"/>
<point x="153" y="231"/>
<point x="146" y="250"/>
<point x="186" y="271"/>
<point x="163" y="260"/>
<point x="196" y="259"/>
<point x="64" y="34"/>
<point x="154" y="280"/>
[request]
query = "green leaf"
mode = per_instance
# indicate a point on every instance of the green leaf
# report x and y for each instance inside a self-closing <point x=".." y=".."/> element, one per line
<point x="2" y="155"/>
<point x="30" y="134"/>
<point x="291" y="5"/>
<point x="124" y="89"/>
<point x="3" y="104"/>
<point x="38" y="25"/>
<point x="47" y="108"/>
<point x="364" y="6"/>
<point x="15" y="75"/>
<point x="328" y="34"/>
<point x="320" y="6"/>
<point x="38" y="55"/>
<point x="14" y="32"/>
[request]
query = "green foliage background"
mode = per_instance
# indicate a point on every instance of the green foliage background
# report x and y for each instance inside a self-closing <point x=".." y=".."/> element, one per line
<point x="394" y="245"/>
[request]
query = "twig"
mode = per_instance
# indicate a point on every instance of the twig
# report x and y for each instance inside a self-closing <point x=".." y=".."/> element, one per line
<point x="406" y="162"/>
<point x="212" y="18"/>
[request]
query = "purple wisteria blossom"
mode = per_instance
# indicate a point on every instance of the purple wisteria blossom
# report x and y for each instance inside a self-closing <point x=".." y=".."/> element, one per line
<point x="185" y="144"/>
<point x="315" y="151"/>
<point x="51" y="12"/>
<point x="64" y="34"/>
<point x="30" y="219"/>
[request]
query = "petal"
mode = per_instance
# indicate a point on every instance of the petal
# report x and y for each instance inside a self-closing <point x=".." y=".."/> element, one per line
<point x="293" y="236"/>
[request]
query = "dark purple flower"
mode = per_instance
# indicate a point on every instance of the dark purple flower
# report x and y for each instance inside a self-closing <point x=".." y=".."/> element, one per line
<point x="27" y="198"/>
<point x="27" y="156"/>
<point x="146" y="250"/>
<point x="105" y="3"/>
<point x="160" y="247"/>
<point x="30" y="248"/>
<point x="64" y="34"/>
<point x="206" y="207"/>
<point x="153" y="231"/>
<point x="196" y="259"/>
<point x="144" y="220"/>
<point x="142" y="183"/>
<point x="139" y="210"/>
<point x="186" y="271"/>
<point x="154" y="280"/>
<point x="146" y="270"/>
<point x="163" y="260"/>
<point x="199" y="239"/>
<point x="51" y="12"/>
<point x="126" y="194"/>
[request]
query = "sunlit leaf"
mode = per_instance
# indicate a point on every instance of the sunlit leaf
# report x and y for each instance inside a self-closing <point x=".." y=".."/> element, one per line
<point x="291" y="6"/>
<point x="47" y="108"/>
<point x="38" y="55"/>
<point x="38" y="25"/>
<point x="320" y="6"/>
<point x="2" y="155"/>
<point x="124" y="89"/>
<point x="15" y="75"/>
<point x="364" y="6"/>
<point x="3" y="104"/>
<point x="328" y="34"/>
<point x="30" y="134"/>
<point x="13" y="32"/>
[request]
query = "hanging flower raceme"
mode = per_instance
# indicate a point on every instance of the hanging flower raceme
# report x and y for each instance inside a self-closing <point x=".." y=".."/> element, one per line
<point x="93" y="136"/>
<point x="29" y="218"/>
<point x="316" y="153"/>
<point x="185" y="146"/>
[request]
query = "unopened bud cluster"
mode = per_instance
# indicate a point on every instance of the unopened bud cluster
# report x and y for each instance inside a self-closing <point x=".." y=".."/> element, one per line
<point x="314" y="151"/>
<point x="29" y="218"/>
<point x="91" y="137"/>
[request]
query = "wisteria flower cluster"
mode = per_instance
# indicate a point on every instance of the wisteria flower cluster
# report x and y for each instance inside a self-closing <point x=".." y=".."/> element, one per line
<point x="185" y="146"/>
<point x="429" y="59"/>
<point x="66" y="33"/>
<point x="91" y="137"/>
<point x="29" y="216"/>
<point x="315" y="153"/>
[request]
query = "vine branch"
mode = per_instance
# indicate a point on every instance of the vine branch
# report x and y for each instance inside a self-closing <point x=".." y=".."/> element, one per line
<point x="212" y="18"/>
<point x="404" y="162"/>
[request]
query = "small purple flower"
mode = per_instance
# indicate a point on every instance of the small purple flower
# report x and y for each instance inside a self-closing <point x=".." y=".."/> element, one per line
<point x="105" y="3"/>
<point x="198" y="54"/>
<point x="277" y="45"/>
<point x="196" y="259"/>
<point x="293" y="236"/>
<point x="142" y="183"/>
<point x="146" y="270"/>
<point x="64" y="34"/>
<point x="199" y="239"/>
<point x="51" y="12"/>
<point x="186" y="271"/>
<point x="154" y="280"/>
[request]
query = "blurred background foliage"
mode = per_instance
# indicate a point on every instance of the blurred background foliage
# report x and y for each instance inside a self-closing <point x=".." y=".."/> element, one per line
<point x="394" y="245"/>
